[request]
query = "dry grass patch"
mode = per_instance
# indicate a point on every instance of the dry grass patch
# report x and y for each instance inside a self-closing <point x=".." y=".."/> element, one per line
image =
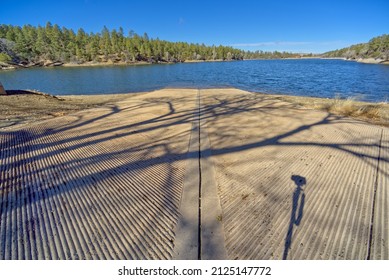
<point x="377" y="113"/>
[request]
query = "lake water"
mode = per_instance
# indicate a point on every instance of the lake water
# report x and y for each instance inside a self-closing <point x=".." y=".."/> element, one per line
<point x="305" y="77"/>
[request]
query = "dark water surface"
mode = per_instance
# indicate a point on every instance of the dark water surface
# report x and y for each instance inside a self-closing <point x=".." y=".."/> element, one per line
<point x="305" y="77"/>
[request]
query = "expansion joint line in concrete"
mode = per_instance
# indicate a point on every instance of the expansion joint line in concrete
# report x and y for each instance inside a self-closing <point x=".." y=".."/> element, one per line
<point x="369" y="244"/>
<point x="199" y="231"/>
<point x="199" y="160"/>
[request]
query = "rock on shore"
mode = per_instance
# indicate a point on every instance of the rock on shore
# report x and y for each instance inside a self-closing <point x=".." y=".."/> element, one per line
<point x="2" y="90"/>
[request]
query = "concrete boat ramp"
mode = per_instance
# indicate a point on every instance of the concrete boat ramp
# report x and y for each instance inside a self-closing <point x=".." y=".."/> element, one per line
<point x="195" y="174"/>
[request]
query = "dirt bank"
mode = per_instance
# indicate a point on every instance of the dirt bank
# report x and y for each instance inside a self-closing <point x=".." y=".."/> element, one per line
<point x="20" y="107"/>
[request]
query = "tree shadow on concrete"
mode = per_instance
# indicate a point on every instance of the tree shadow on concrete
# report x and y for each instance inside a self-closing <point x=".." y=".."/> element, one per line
<point x="70" y="165"/>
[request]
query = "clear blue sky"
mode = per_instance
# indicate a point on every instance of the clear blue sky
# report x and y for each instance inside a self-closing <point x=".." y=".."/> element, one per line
<point x="299" y="26"/>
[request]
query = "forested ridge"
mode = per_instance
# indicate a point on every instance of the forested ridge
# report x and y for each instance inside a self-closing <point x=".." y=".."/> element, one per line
<point x="377" y="48"/>
<point x="54" y="45"/>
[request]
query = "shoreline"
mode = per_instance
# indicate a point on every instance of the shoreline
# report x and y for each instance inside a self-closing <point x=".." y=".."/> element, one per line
<point x="22" y="107"/>
<point x="371" y="61"/>
<point x="140" y="63"/>
<point x="101" y="64"/>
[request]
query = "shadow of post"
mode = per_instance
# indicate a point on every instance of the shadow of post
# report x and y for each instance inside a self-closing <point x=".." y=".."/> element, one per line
<point x="297" y="211"/>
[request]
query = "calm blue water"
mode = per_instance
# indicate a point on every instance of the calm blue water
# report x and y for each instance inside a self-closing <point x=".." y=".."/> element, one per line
<point x="310" y="77"/>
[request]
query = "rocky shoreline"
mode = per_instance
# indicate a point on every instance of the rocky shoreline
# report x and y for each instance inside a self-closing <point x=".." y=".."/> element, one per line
<point x="13" y="66"/>
<point x="7" y="66"/>
<point x="372" y="61"/>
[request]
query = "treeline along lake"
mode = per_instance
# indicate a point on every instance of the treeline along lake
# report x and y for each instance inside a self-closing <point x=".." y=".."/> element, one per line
<point x="303" y="77"/>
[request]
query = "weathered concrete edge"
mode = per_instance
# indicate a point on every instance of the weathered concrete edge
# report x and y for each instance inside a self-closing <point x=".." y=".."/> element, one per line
<point x="186" y="244"/>
<point x="212" y="230"/>
<point x="200" y="175"/>
<point x="379" y="246"/>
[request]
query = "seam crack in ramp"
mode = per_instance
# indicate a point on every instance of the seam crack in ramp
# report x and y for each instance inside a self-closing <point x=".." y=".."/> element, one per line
<point x="199" y="231"/>
<point x="370" y="240"/>
<point x="198" y="106"/>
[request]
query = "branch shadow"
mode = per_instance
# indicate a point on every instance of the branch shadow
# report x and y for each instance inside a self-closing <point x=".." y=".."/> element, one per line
<point x="68" y="158"/>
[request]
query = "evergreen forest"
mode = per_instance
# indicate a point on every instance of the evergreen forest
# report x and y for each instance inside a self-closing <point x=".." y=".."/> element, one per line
<point x="51" y="44"/>
<point x="377" y="48"/>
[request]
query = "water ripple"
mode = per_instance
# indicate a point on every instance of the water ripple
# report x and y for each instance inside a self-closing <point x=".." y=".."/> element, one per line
<point x="304" y="77"/>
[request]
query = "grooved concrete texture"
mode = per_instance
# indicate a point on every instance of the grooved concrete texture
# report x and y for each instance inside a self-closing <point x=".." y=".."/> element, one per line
<point x="111" y="183"/>
<point x="100" y="184"/>
<point x="380" y="241"/>
<point x="294" y="183"/>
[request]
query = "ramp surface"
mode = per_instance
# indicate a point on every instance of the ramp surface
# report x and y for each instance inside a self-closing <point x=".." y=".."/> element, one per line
<point x="101" y="184"/>
<point x="187" y="173"/>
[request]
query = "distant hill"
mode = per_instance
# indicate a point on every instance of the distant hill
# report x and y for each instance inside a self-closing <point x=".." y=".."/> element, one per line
<point x="377" y="48"/>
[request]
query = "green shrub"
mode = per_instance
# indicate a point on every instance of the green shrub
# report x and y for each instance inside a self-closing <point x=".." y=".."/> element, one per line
<point x="5" y="58"/>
